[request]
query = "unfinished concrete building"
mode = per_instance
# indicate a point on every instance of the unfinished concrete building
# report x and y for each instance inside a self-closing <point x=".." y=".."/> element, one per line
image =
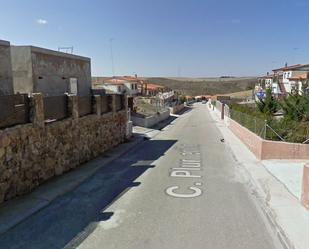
<point x="49" y="72"/>
<point x="6" y="81"/>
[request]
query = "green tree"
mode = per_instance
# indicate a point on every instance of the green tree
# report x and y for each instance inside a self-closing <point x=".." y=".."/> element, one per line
<point x="268" y="105"/>
<point x="296" y="107"/>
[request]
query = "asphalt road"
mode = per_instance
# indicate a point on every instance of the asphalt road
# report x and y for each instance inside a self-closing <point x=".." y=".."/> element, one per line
<point x="182" y="189"/>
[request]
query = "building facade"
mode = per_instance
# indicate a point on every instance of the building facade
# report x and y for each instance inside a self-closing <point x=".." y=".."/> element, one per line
<point x="49" y="72"/>
<point x="6" y="79"/>
<point x="284" y="81"/>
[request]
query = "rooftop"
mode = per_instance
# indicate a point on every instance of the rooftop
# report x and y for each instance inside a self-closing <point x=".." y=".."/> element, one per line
<point x="297" y="66"/>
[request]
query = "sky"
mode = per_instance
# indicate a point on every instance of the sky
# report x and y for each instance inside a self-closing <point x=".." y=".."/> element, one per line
<point x="186" y="38"/>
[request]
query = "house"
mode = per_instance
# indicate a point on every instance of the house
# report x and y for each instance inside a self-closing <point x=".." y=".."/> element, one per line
<point x="150" y="89"/>
<point x="297" y="82"/>
<point x="49" y="72"/>
<point x="285" y="77"/>
<point x="263" y="83"/>
<point x="6" y="79"/>
<point x="111" y="87"/>
<point x="118" y="84"/>
<point x="283" y="81"/>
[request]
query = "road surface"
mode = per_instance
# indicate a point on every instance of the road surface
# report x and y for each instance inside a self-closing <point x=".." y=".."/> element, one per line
<point x="181" y="189"/>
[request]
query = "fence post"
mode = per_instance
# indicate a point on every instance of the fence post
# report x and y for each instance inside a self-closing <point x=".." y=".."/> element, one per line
<point x="222" y="111"/>
<point x="265" y="129"/>
<point x="37" y="117"/>
<point x="73" y="106"/>
<point x="98" y="105"/>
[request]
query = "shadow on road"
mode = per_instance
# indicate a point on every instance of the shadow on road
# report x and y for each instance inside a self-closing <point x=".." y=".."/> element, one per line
<point x="69" y="219"/>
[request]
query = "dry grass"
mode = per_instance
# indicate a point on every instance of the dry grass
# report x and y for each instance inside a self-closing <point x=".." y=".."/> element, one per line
<point x="241" y="95"/>
<point x="205" y="86"/>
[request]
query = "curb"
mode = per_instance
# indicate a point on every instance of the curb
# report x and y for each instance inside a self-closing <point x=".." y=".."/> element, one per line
<point x="17" y="210"/>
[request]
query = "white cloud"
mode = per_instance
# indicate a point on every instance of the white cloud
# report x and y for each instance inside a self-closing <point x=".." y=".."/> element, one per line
<point x="41" y="21"/>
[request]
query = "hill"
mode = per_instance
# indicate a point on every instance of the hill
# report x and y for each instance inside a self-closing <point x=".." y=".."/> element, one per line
<point x="205" y="86"/>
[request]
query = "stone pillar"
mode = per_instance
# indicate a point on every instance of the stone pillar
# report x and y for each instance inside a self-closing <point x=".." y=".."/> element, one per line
<point x="37" y="113"/>
<point x="222" y="111"/>
<point x="125" y="101"/>
<point x="114" y="106"/>
<point x="73" y="106"/>
<point x="305" y="187"/>
<point x="98" y="104"/>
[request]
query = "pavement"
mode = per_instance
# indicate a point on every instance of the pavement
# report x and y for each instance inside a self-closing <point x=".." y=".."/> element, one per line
<point x="288" y="172"/>
<point x="277" y="187"/>
<point x="181" y="188"/>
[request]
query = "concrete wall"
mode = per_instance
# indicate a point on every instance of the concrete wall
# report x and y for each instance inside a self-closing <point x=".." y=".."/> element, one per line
<point x="265" y="149"/>
<point x="176" y="109"/>
<point x="251" y="140"/>
<point x="6" y="80"/>
<point x="49" y="72"/>
<point x="150" y="121"/>
<point x="22" y="69"/>
<point x="33" y="153"/>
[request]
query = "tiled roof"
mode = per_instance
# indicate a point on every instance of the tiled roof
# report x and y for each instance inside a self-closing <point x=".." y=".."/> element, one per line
<point x="125" y="78"/>
<point x="151" y="86"/>
<point x="297" y="66"/>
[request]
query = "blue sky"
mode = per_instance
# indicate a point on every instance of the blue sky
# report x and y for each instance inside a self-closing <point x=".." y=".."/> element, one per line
<point x="166" y="37"/>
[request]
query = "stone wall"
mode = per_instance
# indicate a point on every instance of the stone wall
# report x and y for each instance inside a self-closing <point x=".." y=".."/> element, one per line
<point x="32" y="153"/>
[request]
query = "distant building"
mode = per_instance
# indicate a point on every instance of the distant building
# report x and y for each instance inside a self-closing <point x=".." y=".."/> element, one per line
<point x="285" y="77"/>
<point x="6" y="79"/>
<point x="283" y="81"/>
<point x="49" y="72"/>
<point x="118" y="84"/>
<point x="266" y="82"/>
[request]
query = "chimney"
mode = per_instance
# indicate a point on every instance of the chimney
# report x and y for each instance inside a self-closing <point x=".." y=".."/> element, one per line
<point x="135" y="75"/>
<point x="286" y="64"/>
<point x="267" y="73"/>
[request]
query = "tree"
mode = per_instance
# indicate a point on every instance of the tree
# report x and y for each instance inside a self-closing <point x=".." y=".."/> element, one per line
<point x="268" y="105"/>
<point x="296" y="107"/>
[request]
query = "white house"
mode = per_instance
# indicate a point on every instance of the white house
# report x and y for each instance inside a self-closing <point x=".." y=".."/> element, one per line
<point x="125" y="84"/>
<point x="288" y="78"/>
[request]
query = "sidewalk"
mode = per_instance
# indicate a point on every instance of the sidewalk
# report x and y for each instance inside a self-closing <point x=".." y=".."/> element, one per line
<point x="19" y="209"/>
<point x="276" y="184"/>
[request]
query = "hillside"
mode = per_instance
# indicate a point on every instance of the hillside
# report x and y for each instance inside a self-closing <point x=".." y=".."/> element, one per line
<point x="205" y="86"/>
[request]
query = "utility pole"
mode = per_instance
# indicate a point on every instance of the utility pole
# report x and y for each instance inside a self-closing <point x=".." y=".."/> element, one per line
<point x="112" y="55"/>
